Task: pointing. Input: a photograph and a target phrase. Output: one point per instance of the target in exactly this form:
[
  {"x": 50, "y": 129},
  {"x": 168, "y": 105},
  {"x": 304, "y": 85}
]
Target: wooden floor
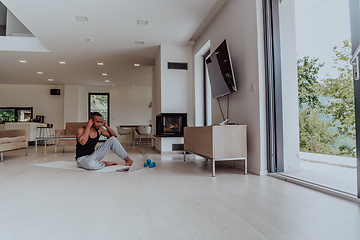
[{"x": 174, "y": 200}]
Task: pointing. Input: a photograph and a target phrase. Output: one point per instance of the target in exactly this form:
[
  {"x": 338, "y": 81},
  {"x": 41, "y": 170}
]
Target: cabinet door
[
  {"x": 230, "y": 141},
  {"x": 199, "y": 140},
  {"x": 204, "y": 141}
]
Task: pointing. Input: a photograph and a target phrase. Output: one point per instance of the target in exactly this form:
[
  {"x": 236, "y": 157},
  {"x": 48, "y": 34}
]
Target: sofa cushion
[
  {"x": 72, "y": 127},
  {"x": 17, "y": 139},
  {"x": 12, "y": 139},
  {"x": 4, "y": 140},
  {"x": 12, "y": 146}
]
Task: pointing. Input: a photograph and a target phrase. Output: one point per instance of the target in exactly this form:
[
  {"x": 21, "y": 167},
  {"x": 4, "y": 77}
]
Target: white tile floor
[{"x": 174, "y": 200}]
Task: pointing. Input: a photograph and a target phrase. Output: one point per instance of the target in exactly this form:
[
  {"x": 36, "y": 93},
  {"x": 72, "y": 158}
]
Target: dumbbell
[{"x": 149, "y": 163}]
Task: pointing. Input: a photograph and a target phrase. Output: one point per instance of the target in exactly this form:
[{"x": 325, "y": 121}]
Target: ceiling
[{"x": 113, "y": 25}]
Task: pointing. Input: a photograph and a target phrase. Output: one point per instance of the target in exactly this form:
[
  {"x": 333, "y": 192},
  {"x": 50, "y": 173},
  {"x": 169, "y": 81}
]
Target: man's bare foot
[
  {"x": 109, "y": 163},
  {"x": 128, "y": 161}
]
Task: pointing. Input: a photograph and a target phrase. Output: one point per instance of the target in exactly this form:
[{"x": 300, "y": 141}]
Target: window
[
  {"x": 100, "y": 102},
  {"x": 16, "y": 114}
]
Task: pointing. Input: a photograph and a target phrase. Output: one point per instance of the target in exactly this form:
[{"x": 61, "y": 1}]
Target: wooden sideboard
[{"x": 217, "y": 143}]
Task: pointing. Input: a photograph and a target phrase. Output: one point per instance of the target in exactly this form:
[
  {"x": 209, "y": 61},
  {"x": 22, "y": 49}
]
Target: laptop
[{"x": 137, "y": 165}]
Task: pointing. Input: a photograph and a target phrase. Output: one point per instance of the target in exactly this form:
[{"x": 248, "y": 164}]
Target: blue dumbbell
[
  {"x": 147, "y": 162},
  {"x": 153, "y": 164}
]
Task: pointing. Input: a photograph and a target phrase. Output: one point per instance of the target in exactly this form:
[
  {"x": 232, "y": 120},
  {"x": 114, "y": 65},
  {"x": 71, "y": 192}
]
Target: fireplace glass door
[{"x": 171, "y": 125}]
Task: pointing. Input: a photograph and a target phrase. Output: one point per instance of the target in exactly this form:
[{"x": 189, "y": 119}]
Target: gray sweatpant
[{"x": 93, "y": 161}]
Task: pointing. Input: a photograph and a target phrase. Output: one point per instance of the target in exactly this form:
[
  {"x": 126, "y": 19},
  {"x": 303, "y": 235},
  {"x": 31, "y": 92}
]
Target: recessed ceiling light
[
  {"x": 62, "y": 62},
  {"x": 107, "y": 80},
  {"x": 100, "y": 64},
  {"x": 90, "y": 39},
  {"x": 133, "y": 85},
  {"x": 104, "y": 74},
  {"x": 139, "y": 42},
  {"x": 113, "y": 85},
  {"x": 22, "y": 61},
  {"x": 136, "y": 64},
  {"x": 142, "y": 22},
  {"x": 82, "y": 18},
  {"x": 50, "y": 79},
  {"x": 39, "y": 72}
]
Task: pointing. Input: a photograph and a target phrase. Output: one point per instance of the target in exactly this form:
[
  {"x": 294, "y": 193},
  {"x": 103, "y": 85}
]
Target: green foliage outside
[
  {"x": 99, "y": 103},
  {"x": 341, "y": 89},
  {"x": 315, "y": 136},
  {"x": 308, "y": 85},
  {"x": 325, "y": 124},
  {"x": 7, "y": 115}
]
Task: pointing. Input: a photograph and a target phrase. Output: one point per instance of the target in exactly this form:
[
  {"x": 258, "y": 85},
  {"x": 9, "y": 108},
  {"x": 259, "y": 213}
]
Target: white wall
[
  {"x": 38, "y": 97},
  {"x": 173, "y": 88},
  {"x": 240, "y": 23},
  {"x": 13, "y": 25},
  {"x": 175, "y": 91},
  {"x": 128, "y": 105},
  {"x": 71, "y": 103},
  {"x": 289, "y": 86}
]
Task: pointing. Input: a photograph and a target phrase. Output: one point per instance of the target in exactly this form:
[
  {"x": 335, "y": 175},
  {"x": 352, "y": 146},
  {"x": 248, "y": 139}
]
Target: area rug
[{"x": 72, "y": 166}]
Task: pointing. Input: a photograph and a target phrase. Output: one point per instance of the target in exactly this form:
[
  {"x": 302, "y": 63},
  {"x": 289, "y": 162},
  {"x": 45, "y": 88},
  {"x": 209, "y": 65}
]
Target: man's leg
[
  {"x": 112, "y": 144},
  {"x": 89, "y": 163}
]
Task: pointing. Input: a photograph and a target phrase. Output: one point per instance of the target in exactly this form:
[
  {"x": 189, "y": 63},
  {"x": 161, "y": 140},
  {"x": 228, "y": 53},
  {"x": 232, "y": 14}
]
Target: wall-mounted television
[{"x": 220, "y": 71}]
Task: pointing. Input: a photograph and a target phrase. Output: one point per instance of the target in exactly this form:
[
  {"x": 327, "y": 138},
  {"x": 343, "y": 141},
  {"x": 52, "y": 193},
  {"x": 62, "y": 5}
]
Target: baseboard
[
  {"x": 249, "y": 169},
  {"x": 171, "y": 152},
  {"x": 257, "y": 171}
]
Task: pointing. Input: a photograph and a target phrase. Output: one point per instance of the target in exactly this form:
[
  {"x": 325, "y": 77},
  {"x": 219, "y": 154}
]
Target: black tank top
[{"x": 88, "y": 148}]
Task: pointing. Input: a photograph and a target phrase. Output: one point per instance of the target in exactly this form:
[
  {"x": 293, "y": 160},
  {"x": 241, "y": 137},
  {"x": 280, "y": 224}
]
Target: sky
[{"x": 320, "y": 25}]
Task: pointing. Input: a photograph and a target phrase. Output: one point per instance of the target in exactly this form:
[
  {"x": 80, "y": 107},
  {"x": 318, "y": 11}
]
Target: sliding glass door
[
  {"x": 354, "y": 7},
  {"x": 308, "y": 47}
]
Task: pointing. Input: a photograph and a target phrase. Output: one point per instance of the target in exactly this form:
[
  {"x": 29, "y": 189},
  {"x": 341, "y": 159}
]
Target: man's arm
[
  {"x": 109, "y": 132},
  {"x": 83, "y": 134}
]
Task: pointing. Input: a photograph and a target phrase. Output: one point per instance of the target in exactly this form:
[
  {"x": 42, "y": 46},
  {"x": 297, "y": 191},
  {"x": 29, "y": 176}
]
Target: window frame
[
  {"x": 16, "y": 109},
  {"x": 108, "y": 104}
]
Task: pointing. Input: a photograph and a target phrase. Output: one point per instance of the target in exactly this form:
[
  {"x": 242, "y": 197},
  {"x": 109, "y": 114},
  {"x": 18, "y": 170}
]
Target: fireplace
[{"x": 170, "y": 124}]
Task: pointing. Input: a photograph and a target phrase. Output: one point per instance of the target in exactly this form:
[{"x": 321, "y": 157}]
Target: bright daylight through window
[{"x": 326, "y": 94}]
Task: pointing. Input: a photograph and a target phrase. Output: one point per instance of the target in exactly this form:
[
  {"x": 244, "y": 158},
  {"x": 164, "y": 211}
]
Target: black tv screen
[{"x": 220, "y": 71}]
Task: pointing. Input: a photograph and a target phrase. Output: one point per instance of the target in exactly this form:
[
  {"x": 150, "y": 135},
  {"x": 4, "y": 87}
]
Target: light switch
[{"x": 253, "y": 87}]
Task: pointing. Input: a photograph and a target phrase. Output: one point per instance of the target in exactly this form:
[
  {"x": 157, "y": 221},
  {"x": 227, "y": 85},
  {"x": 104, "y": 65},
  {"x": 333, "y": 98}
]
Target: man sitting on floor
[{"x": 87, "y": 137}]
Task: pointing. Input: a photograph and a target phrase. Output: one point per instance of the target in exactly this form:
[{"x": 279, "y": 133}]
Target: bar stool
[{"x": 47, "y": 131}]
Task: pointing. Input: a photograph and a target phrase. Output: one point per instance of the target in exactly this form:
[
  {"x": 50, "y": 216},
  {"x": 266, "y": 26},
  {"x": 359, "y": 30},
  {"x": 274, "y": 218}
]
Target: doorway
[
  {"x": 326, "y": 138},
  {"x": 100, "y": 102}
]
